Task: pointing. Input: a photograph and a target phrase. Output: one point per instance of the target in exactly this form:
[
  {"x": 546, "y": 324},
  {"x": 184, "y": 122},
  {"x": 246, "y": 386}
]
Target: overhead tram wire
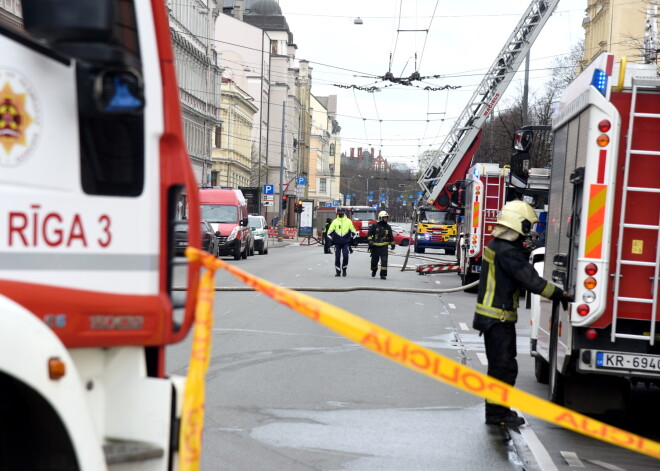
[{"x": 427, "y": 34}]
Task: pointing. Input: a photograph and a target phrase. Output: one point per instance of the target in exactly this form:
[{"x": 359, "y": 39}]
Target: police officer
[
  {"x": 504, "y": 271},
  {"x": 342, "y": 231},
  {"x": 325, "y": 237},
  {"x": 379, "y": 237}
]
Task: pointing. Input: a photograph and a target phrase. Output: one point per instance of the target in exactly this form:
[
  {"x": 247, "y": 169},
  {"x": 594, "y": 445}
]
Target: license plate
[
  {"x": 182, "y": 243},
  {"x": 627, "y": 361}
]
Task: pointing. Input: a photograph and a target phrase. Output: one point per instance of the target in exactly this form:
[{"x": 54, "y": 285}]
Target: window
[
  {"x": 218, "y": 136},
  {"x": 332, "y": 149},
  {"x": 323, "y": 185}
]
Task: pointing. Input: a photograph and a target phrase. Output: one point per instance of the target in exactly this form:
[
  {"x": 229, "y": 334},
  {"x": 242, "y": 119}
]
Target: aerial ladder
[{"x": 454, "y": 156}]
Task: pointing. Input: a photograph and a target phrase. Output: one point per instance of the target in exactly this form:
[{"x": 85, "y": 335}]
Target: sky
[{"x": 462, "y": 42}]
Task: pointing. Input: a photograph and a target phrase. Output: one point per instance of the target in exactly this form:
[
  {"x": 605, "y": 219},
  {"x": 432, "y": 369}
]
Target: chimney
[
  {"x": 373, "y": 155},
  {"x": 239, "y": 8},
  {"x": 360, "y": 153},
  {"x": 352, "y": 152}
]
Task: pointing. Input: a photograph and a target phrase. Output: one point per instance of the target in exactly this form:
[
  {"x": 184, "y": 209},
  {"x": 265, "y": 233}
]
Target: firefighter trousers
[
  {"x": 379, "y": 253},
  {"x": 500, "y": 342}
]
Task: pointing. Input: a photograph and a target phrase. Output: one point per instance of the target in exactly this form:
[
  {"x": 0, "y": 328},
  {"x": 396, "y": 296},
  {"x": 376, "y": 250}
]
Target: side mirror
[
  {"x": 265, "y": 227},
  {"x": 217, "y": 233},
  {"x": 522, "y": 140},
  {"x": 244, "y": 222}
]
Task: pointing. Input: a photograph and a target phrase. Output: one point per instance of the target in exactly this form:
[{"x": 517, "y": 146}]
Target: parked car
[
  {"x": 400, "y": 237},
  {"x": 210, "y": 242},
  {"x": 259, "y": 228}
]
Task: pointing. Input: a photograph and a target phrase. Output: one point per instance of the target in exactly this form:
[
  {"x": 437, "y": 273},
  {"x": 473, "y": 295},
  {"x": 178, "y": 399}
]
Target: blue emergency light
[
  {"x": 123, "y": 100},
  {"x": 599, "y": 81}
]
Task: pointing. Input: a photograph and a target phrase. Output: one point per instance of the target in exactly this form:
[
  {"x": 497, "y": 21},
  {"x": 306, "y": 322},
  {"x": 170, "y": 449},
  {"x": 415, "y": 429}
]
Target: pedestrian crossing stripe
[{"x": 426, "y": 361}]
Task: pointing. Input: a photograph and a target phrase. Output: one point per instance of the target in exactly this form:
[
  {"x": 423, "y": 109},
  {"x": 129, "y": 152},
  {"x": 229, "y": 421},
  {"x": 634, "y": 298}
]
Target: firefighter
[
  {"x": 380, "y": 236},
  {"x": 342, "y": 232},
  {"x": 504, "y": 271},
  {"x": 325, "y": 238}
]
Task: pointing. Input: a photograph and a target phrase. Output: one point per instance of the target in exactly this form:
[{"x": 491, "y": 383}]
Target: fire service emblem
[{"x": 20, "y": 121}]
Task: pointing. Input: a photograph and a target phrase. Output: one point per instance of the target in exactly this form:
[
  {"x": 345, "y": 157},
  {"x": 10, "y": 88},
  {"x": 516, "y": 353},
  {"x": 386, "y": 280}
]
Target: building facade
[
  {"x": 231, "y": 158},
  {"x": 619, "y": 28},
  {"x": 192, "y": 24}
]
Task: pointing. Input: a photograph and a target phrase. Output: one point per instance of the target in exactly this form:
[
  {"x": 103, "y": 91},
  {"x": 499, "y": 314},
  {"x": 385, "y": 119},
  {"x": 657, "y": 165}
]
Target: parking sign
[{"x": 269, "y": 189}]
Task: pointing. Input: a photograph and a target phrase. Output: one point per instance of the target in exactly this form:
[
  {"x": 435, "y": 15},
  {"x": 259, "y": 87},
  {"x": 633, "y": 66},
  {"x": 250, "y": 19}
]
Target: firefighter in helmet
[
  {"x": 504, "y": 271},
  {"x": 380, "y": 236}
]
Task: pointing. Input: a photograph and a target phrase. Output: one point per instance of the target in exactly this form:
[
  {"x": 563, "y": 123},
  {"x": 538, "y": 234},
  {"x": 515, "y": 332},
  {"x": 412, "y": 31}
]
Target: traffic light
[
  {"x": 284, "y": 200},
  {"x": 299, "y": 207}
]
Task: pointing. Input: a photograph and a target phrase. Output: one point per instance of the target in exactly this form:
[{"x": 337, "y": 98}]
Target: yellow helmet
[
  {"x": 383, "y": 214},
  {"x": 519, "y": 216}
]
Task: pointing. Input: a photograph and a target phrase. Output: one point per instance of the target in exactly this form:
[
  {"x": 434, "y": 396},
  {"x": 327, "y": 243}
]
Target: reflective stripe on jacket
[
  {"x": 380, "y": 234},
  {"x": 341, "y": 230},
  {"x": 504, "y": 271}
]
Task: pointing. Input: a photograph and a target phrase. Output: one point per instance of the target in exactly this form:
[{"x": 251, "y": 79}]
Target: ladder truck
[
  {"x": 454, "y": 155},
  {"x": 93, "y": 174},
  {"x": 603, "y": 240}
]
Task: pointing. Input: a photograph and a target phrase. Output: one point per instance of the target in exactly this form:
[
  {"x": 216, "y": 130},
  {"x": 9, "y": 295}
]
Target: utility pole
[{"x": 280, "y": 223}]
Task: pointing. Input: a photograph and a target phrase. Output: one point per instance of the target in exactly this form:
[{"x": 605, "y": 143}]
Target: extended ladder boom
[{"x": 497, "y": 79}]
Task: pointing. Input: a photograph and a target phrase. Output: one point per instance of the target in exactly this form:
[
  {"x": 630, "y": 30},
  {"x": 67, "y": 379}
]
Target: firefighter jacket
[
  {"x": 380, "y": 234},
  {"x": 341, "y": 230},
  {"x": 504, "y": 271}
]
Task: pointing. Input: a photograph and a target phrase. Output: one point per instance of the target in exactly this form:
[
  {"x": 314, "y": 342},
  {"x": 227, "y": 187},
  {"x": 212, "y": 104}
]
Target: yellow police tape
[
  {"x": 192, "y": 416},
  {"x": 430, "y": 363}
]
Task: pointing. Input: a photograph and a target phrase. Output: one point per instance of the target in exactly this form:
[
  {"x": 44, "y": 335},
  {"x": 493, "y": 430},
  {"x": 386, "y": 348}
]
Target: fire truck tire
[
  {"x": 237, "y": 253},
  {"x": 541, "y": 370},
  {"x": 466, "y": 279},
  {"x": 450, "y": 252},
  {"x": 419, "y": 249},
  {"x": 555, "y": 378}
]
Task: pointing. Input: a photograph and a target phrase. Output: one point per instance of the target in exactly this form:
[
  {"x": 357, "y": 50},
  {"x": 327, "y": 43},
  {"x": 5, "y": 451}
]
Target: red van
[{"x": 227, "y": 212}]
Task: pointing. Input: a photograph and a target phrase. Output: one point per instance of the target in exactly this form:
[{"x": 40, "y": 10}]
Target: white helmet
[
  {"x": 519, "y": 216},
  {"x": 383, "y": 214}
]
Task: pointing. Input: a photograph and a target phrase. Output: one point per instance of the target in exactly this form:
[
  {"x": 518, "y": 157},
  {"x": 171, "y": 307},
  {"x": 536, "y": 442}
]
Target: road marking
[
  {"x": 538, "y": 450},
  {"x": 463, "y": 326},
  {"x": 609, "y": 466},
  {"x": 572, "y": 459},
  {"x": 451, "y": 306},
  {"x": 482, "y": 358}
]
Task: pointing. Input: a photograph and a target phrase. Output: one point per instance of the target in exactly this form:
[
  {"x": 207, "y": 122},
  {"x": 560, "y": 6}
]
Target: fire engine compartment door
[{"x": 53, "y": 231}]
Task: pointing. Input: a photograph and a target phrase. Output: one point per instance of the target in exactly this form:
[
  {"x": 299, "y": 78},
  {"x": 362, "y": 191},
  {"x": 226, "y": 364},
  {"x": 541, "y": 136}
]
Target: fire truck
[
  {"x": 603, "y": 239},
  {"x": 94, "y": 173},
  {"x": 435, "y": 228},
  {"x": 363, "y": 217},
  {"x": 484, "y": 194}
]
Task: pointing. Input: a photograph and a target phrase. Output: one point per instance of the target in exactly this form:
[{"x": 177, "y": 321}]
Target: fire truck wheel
[
  {"x": 237, "y": 253},
  {"x": 450, "y": 252},
  {"x": 419, "y": 249},
  {"x": 541, "y": 370}
]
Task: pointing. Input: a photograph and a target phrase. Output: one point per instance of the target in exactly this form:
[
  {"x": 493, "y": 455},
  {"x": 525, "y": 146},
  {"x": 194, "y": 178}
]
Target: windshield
[
  {"x": 255, "y": 222},
  {"x": 364, "y": 216},
  {"x": 220, "y": 213},
  {"x": 437, "y": 217}
]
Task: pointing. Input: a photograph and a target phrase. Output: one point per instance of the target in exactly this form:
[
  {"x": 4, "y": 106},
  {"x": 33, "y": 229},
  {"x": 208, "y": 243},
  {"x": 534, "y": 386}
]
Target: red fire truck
[
  {"x": 94, "y": 170},
  {"x": 484, "y": 193},
  {"x": 362, "y": 217},
  {"x": 603, "y": 239}
]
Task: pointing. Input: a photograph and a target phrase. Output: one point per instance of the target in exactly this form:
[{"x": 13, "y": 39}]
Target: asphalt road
[{"x": 285, "y": 393}]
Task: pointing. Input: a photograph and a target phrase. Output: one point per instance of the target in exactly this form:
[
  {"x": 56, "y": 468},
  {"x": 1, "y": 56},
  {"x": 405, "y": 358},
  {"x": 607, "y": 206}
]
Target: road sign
[
  {"x": 335, "y": 203},
  {"x": 267, "y": 203},
  {"x": 269, "y": 197},
  {"x": 301, "y": 180},
  {"x": 269, "y": 189},
  {"x": 328, "y": 205}
]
